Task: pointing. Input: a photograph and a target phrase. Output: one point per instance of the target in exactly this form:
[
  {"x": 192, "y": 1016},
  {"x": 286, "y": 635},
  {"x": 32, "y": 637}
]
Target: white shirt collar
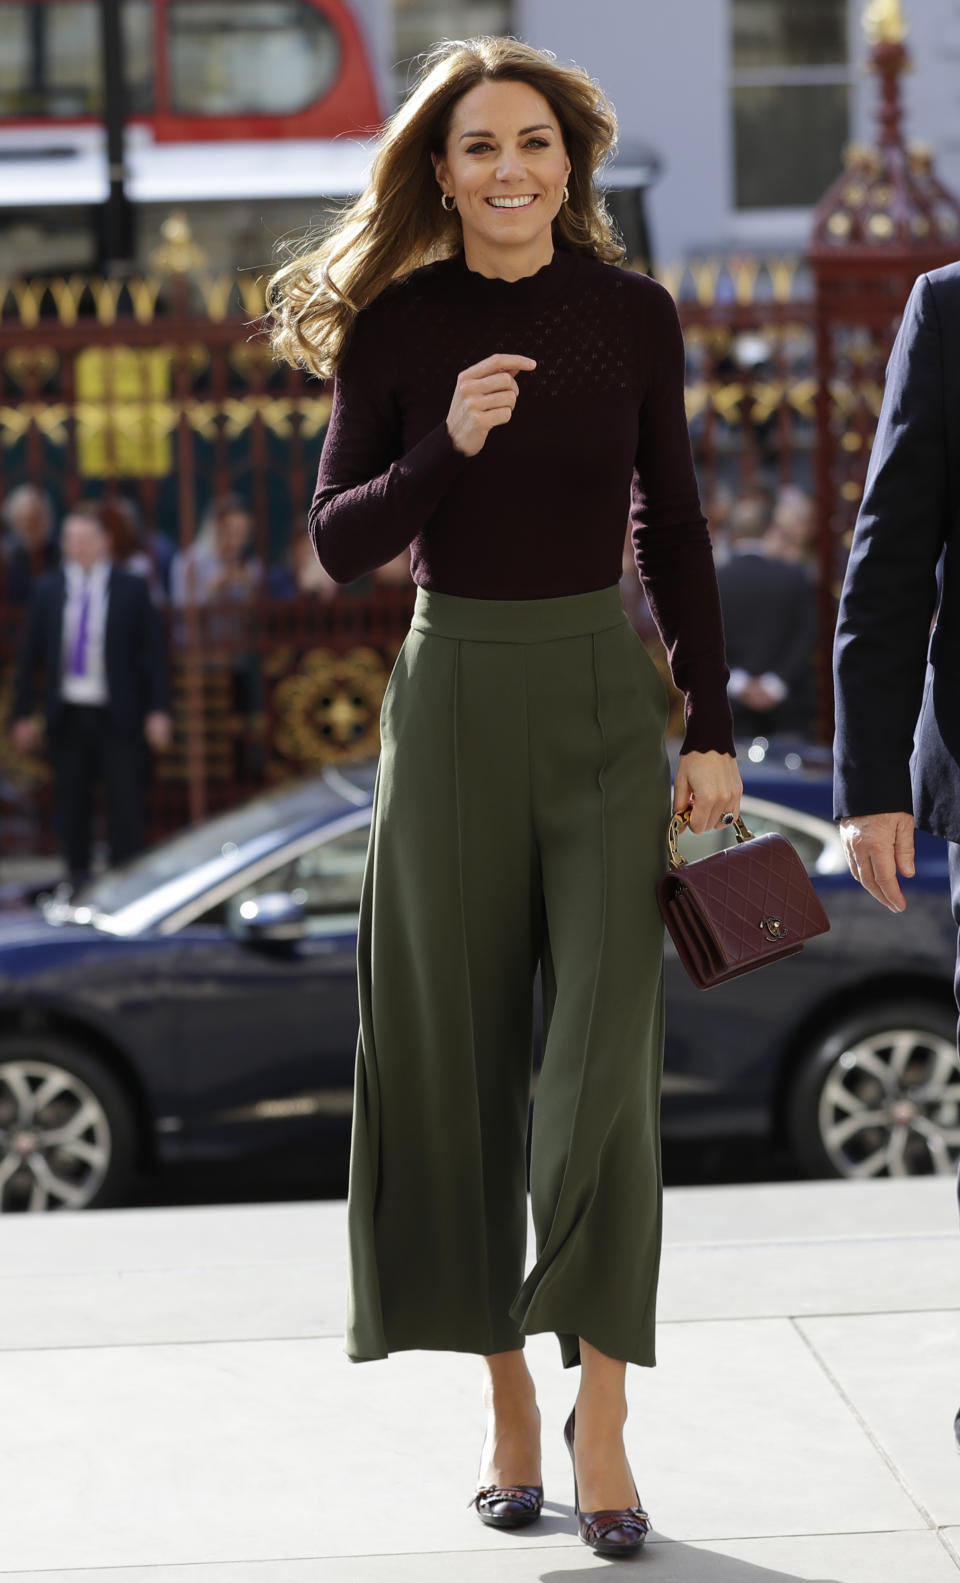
[{"x": 75, "y": 574}]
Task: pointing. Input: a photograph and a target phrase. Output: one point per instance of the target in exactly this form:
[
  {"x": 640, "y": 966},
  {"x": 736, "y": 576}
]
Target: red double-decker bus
[
  {"x": 225, "y": 100},
  {"x": 242, "y": 112},
  {"x": 196, "y": 70}
]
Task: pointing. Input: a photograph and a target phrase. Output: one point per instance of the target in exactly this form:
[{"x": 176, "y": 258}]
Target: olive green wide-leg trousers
[{"x": 520, "y": 816}]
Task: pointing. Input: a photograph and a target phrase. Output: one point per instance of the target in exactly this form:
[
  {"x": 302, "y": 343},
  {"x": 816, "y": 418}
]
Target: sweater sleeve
[
  {"x": 371, "y": 499},
  {"x": 670, "y": 539}
]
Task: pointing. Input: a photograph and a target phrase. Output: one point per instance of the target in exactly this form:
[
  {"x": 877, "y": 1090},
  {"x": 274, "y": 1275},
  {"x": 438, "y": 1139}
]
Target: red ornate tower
[{"x": 883, "y": 222}]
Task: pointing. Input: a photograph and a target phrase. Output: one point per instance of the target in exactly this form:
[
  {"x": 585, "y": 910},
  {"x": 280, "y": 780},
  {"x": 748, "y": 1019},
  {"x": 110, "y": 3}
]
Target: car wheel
[
  {"x": 879, "y": 1095},
  {"x": 68, "y": 1133}
]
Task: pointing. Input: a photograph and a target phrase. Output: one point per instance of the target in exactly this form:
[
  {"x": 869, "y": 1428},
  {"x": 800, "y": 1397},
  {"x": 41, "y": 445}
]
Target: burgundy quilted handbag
[{"x": 737, "y": 909}]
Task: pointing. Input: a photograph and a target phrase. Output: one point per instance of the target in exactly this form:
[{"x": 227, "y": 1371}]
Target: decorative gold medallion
[{"x": 329, "y": 709}]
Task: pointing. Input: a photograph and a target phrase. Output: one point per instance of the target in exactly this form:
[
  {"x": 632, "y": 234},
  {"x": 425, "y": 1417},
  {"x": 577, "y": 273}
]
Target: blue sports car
[{"x": 200, "y": 1003}]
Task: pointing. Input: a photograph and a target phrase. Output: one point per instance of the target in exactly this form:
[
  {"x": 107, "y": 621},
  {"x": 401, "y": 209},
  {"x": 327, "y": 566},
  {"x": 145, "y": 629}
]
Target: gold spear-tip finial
[{"x": 884, "y": 22}]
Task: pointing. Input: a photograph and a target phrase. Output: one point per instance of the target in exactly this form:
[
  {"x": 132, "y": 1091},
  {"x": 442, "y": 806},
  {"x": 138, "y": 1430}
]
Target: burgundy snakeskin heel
[
  {"x": 609, "y": 1532},
  {"x": 507, "y": 1505}
]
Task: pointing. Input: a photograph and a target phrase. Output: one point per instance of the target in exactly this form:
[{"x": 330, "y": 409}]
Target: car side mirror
[{"x": 268, "y": 919}]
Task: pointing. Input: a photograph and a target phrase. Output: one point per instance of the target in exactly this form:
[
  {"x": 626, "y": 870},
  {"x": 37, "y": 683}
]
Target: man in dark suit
[
  {"x": 769, "y": 624},
  {"x": 96, "y": 638},
  {"x": 897, "y": 748},
  {"x": 898, "y": 686}
]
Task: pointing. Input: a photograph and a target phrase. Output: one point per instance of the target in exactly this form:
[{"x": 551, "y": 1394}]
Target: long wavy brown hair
[{"x": 398, "y": 223}]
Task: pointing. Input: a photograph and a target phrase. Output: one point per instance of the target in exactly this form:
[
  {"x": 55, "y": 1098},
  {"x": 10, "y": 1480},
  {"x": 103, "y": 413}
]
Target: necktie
[{"x": 78, "y": 657}]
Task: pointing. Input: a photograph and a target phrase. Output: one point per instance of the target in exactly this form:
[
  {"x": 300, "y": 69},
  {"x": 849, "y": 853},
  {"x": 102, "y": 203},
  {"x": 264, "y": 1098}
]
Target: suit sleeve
[
  {"x": 890, "y": 589},
  {"x": 671, "y": 543},
  {"x": 372, "y": 499},
  {"x": 30, "y": 660}
]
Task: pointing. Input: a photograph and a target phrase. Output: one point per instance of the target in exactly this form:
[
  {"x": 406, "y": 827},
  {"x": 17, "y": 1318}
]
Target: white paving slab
[
  {"x": 822, "y": 1558},
  {"x": 901, "y": 1372},
  {"x": 166, "y": 1239},
  {"x": 174, "y": 1454},
  {"x": 123, "y": 1277},
  {"x": 184, "y": 1412},
  {"x": 844, "y": 1275},
  {"x": 256, "y": 1450},
  {"x": 129, "y": 1307},
  {"x": 303, "y": 1294},
  {"x": 780, "y": 1212},
  {"x": 734, "y": 1409}
]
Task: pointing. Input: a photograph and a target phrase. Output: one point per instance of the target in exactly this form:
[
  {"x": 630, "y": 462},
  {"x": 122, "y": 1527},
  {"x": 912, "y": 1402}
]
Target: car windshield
[{"x": 214, "y": 849}]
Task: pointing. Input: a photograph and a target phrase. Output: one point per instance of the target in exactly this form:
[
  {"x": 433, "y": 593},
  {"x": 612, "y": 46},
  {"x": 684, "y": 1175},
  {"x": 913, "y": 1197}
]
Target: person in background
[
  {"x": 123, "y": 526},
  {"x": 29, "y": 548},
  {"x": 792, "y": 532},
  {"x": 395, "y": 573},
  {"x": 97, "y": 641},
  {"x": 717, "y": 512},
  {"x": 748, "y": 518},
  {"x": 301, "y": 574},
  {"x": 769, "y": 622},
  {"x": 222, "y": 574},
  {"x": 221, "y": 564}
]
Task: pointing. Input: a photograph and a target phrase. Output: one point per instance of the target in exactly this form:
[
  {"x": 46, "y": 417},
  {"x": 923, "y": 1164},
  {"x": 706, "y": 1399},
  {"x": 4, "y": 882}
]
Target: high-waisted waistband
[{"x": 517, "y": 620}]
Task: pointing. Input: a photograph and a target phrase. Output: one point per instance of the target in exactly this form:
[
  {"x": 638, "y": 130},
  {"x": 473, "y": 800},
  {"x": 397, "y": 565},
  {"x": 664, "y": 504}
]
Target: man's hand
[
  {"x": 877, "y": 846},
  {"x": 26, "y": 735},
  {"x": 158, "y": 730}
]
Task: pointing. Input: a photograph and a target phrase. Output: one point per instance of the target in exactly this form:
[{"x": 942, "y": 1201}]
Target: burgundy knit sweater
[{"x": 598, "y": 437}]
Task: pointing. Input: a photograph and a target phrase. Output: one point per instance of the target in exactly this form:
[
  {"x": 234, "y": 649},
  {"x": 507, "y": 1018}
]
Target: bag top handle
[{"x": 679, "y": 823}]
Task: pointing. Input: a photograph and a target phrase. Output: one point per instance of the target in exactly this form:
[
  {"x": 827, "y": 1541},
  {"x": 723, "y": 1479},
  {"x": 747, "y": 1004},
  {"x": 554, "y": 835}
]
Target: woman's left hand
[{"x": 711, "y": 783}]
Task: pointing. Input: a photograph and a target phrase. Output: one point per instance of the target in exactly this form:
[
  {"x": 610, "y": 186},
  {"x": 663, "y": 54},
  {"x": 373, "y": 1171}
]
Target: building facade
[{"x": 749, "y": 103}]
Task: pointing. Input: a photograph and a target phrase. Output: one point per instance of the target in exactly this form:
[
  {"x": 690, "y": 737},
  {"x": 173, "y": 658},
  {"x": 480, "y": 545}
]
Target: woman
[
  {"x": 222, "y": 574},
  {"x": 221, "y": 564},
  {"x": 499, "y": 384}
]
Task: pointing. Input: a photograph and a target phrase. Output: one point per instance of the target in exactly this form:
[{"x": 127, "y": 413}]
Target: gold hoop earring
[
  {"x": 445, "y": 205},
  {"x": 566, "y": 195}
]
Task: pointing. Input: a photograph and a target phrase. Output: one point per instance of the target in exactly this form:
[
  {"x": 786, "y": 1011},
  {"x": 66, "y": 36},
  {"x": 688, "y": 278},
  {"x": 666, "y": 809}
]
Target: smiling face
[{"x": 506, "y": 166}]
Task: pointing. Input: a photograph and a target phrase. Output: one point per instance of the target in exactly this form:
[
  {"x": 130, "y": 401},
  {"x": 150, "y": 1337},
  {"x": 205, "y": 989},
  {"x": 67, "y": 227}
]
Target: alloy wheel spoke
[
  {"x": 897, "y": 1151},
  {"x": 837, "y": 1094},
  {"x": 9, "y": 1166},
  {"x": 869, "y": 1061},
  {"x": 902, "y": 1051},
  {"x": 943, "y": 1082},
  {"x": 15, "y": 1079},
  {"x": 54, "y": 1083},
  {"x": 942, "y": 1142},
  {"x": 53, "y": 1186},
  {"x": 843, "y": 1131},
  {"x": 873, "y": 1165},
  {"x": 88, "y": 1116},
  {"x": 92, "y": 1153}
]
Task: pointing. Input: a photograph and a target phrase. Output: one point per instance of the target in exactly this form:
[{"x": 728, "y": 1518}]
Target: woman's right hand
[{"x": 485, "y": 396}]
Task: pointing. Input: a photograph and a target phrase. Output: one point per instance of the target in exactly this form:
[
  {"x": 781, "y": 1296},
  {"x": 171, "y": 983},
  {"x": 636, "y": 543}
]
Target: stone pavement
[{"x": 176, "y": 1407}]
